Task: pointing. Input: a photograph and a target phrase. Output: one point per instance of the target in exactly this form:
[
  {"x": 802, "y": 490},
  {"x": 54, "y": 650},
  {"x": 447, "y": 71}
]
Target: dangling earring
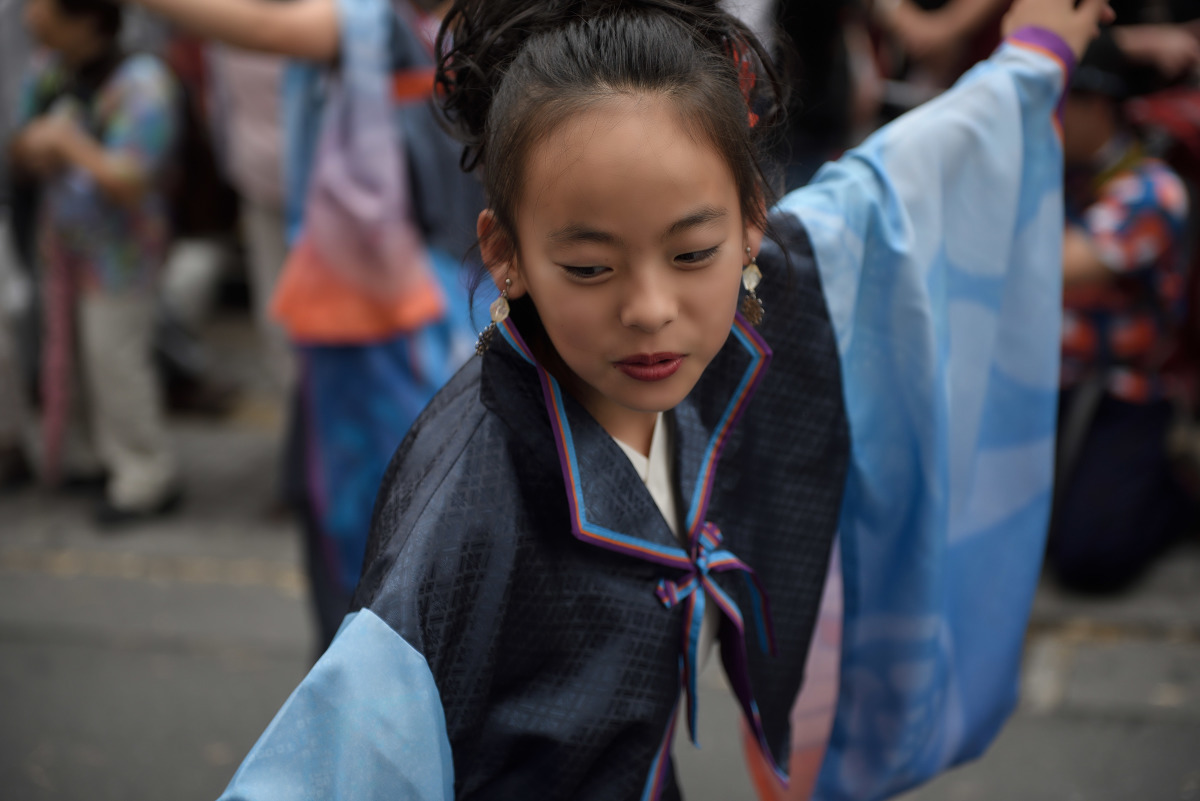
[
  {"x": 751, "y": 307},
  {"x": 499, "y": 315}
]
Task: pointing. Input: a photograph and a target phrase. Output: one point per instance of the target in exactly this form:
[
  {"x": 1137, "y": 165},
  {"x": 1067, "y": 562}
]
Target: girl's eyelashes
[
  {"x": 696, "y": 258},
  {"x": 583, "y": 273}
]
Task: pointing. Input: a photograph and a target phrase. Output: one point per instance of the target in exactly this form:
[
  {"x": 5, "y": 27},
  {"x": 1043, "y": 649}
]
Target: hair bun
[{"x": 479, "y": 40}]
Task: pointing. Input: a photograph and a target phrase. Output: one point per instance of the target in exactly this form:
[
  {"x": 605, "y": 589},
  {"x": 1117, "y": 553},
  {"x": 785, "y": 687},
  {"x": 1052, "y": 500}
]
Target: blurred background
[{"x": 167, "y": 572}]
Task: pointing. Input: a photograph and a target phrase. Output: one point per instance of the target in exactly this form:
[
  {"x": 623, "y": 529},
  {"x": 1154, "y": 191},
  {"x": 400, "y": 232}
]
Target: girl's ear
[
  {"x": 754, "y": 238},
  {"x": 499, "y": 253}
]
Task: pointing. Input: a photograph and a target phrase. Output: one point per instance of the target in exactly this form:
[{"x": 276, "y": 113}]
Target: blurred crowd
[{"x": 156, "y": 151}]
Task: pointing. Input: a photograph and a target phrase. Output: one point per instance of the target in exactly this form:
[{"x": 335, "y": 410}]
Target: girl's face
[{"x": 631, "y": 244}]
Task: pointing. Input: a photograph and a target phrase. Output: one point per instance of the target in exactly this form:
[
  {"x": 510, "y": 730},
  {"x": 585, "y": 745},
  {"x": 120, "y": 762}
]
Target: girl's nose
[{"x": 649, "y": 303}]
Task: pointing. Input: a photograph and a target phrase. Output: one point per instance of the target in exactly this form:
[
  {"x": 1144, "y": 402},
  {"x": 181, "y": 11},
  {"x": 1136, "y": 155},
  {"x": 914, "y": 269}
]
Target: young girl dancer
[{"x": 633, "y": 474}]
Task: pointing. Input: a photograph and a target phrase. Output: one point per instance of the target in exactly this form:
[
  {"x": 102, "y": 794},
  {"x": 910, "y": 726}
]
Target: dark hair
[
  {"x": 106, "y": 15},
  {"x": 513, "y": 70}
]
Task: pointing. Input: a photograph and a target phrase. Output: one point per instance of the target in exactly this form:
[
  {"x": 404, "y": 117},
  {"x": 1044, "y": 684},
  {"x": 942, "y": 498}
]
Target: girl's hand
[{"x": 1078, "y": 26}]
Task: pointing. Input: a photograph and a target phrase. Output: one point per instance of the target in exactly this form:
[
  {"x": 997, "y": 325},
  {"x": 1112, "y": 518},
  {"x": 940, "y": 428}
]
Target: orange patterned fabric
[{"x": 316, "y": 305}]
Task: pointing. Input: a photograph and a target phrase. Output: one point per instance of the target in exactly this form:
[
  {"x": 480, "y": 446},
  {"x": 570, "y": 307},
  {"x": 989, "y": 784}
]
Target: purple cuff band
[
  {"x": 1051, "y": 42},
  {"x": 1048, "y": 40}
]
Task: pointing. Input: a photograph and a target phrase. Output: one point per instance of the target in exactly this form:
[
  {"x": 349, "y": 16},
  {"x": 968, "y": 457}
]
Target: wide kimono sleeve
[
  {"x": 366, "y": 723},
  {"x": 939, "y": 246}
]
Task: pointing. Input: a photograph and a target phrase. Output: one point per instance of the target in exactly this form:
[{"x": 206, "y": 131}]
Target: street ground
[{"x": 144, "y": 665}]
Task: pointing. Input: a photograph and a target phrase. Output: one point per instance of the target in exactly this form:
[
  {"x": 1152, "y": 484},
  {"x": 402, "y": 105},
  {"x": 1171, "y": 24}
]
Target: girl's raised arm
[
  {"x": 305, "y": 29},
  {"x": 939, "y": 246}
]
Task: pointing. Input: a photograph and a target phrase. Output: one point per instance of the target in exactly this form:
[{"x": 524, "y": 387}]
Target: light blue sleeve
[
  {"x": 365, "y": 724},
  {"x": 939, "y": 245}
]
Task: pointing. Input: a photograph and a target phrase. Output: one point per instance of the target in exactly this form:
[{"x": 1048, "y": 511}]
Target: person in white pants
[{"x": 98, "y": 130}]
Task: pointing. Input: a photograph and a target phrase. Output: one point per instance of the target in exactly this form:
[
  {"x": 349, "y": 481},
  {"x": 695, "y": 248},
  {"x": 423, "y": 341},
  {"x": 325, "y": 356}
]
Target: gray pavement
[{"x": 144, "y": 665}]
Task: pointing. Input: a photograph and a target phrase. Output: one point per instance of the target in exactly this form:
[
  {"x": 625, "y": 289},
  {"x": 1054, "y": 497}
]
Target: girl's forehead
[
  {"x": 623, "y": 127},
  {"x": 628, "y": 159}
]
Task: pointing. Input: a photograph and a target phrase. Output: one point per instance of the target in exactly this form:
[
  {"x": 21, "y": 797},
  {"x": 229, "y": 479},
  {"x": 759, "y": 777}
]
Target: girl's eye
[
  {"x": 584, "y": 272},
  {"x": 696, "y": 257}
]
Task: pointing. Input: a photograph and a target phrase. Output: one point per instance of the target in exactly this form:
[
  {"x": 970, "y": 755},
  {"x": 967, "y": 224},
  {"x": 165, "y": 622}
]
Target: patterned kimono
[{"x": 527, "y": 625}]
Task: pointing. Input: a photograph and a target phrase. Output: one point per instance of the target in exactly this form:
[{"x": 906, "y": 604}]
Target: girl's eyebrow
[
  {"x": 700, "y": 217},
  {"x": 573, "y": 233}
]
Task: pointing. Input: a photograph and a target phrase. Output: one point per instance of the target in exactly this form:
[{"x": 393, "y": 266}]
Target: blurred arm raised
[{"x": 307, "y": 29}]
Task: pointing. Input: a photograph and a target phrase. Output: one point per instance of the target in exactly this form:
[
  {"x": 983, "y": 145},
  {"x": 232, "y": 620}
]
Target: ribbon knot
[{"x": 707, "y": 557}]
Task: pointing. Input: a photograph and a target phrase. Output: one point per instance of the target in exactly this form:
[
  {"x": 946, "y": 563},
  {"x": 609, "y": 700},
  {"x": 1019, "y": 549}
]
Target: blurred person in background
[
  {"x": 375, "y": 338},
  {"x": 194, "y": 267},
  {"x": 1119, "y": 504},
  {"x": 370, "y": 357},
  {"x": 96, "y": 133}
]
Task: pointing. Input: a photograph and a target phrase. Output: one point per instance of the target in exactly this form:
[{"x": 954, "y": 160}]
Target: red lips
[{"x": 650, "y": 366}]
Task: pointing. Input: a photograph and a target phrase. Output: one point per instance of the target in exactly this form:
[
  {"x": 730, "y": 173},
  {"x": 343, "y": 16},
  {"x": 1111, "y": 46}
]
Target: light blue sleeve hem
[{"x": 366, "y": 723}]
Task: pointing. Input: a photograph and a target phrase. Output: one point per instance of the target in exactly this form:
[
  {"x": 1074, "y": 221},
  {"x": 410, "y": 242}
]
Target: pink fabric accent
[
  {"x": 248, "y": 110},
  {"x": 812, "y": 715},
  {"x": 358, "y": 217},
  {"x": 57, "y": 358}
]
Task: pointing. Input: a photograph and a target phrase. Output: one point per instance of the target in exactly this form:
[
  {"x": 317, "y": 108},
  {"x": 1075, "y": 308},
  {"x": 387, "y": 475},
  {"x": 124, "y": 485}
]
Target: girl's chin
[
  {"x": 620, "y": 393},
  {"x": 654, "y": 398}
]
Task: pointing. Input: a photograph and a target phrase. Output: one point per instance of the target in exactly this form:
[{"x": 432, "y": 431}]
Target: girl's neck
[
  {"x": 637, "y": 433},
  {"x": 634, "y": 428}
]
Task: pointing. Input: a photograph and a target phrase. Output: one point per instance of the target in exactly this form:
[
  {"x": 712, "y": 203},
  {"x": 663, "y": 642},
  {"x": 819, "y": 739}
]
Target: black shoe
[
  {"x": 208, "y": 398},
  {"x": 76, "y": 483},
  {"x": 15, "y": 470},
  {"x": 111, "y": 517}
]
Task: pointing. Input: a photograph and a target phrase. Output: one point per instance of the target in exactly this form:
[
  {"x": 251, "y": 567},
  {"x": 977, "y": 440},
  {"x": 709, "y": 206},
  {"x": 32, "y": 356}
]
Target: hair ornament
[{"x": 747, "y": 78}]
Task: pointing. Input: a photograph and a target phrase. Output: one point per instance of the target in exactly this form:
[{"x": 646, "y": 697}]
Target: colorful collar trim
[
  {"x": 589, "y": 531},
  {"x": 704, "y": 555}
]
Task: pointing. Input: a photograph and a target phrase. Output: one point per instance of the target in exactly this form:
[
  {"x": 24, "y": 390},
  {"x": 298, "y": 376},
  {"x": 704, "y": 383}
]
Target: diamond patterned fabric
[{"x": 557, "y": 666}]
